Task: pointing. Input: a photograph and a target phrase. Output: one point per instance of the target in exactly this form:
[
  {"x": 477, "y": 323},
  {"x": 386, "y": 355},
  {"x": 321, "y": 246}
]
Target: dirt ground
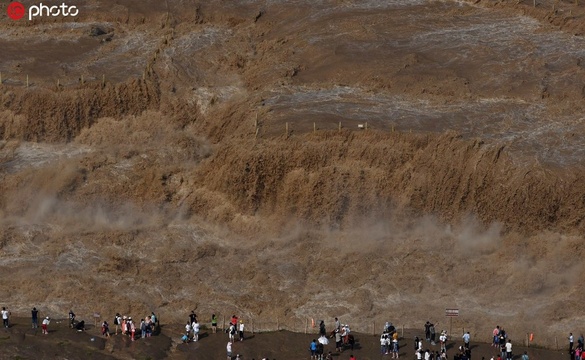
[
  {"x": 294, "y": 160},
  {"x": 19, "y": 341}
]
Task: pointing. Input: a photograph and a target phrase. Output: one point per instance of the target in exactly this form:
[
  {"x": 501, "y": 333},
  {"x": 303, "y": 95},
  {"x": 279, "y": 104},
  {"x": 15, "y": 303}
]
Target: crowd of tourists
[
  {"x": 127, "y": 326},
  {"x": 389, "y": 338},
  {"x": 577, "y": 352},
  {"x": 124, "y": 325}
]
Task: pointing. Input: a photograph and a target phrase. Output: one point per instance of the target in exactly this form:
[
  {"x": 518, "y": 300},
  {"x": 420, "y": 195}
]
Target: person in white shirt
[
  {"x": 466, "y": 338},
  {"x": 241, "y": 330},
  {"x": 427, "y": 355},
  {"x": 228, "y": 347},
  {"x": 418, "y": 355},
  {"x": 45, "y": 324},
  {"x": 383, "y": 344},
  {"x": 188, "y": 329},
  {"x": 443, "y": 341},
  {"x": 5, "y": 314},
  {"x": 338, "y": 341},
  {"x": 118, "y": 322},
  {"x": 232, "y": 332},
  {"x": 509, "y": 350},
  {"x": 195, "y": 327},
  {"x": 344, "y": 333}
]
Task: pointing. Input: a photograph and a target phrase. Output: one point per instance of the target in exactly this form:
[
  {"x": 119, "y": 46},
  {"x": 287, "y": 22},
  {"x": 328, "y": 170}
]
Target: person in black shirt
[
  {"x": 71, "y": 318},
  {"x": 322, "y": 330},
  {"x": 35, "y": 318},
  {"x": 428, "y": 331}
]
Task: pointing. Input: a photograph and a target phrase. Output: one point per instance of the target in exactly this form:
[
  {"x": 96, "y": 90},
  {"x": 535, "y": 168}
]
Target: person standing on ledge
[
  {"x": 118, "y": 322},
  {"x": 496, "y": 335},
  {"x": 428, "y": 331},
  {"x": 433, "y": 334},
  {"x": 232, "y": 332},
  {"x": 322, "y": 330},
  {"x": 188, "y": 330},
  {"x": 105, "y": 329},
  {"x": 228, "y": 347},
  {"x": 241, "y": 333},
  {"x": 443, "y": 341},
  {"x": 195, "y": 328},
  {"x": 35, "y": 318},
  {"x": 45, "y": 325},
  {"x": 213, "y": 323},
  {"x": 5, "y": 315},
  {"x": 509, "y": 350},
  {"x": 71, "y": 318},
  {"x": 313, "y": 349},
  {"x": 571, "y": 342},
  {"x": 466, "y": 338},
  {"x": 155, "y": 323},
  {"x": 338, "y": 341}
]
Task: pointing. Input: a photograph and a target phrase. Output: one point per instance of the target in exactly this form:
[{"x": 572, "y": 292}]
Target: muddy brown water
[
  {"x": 404, "y": 65},
  {"x": 124, "y": 210}
]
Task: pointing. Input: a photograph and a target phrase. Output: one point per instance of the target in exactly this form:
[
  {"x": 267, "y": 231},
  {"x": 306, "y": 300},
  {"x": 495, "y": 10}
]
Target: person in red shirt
[{"x": 351, "y": 357}]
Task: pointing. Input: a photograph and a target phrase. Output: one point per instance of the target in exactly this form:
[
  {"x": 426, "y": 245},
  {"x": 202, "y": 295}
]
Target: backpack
[
  {"x": 232, "y": 330},
  {"x": 116, "y": 322}
]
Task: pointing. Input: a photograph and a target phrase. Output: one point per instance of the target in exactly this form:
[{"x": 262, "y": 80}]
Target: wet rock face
[{"x": 97, "y": 31}]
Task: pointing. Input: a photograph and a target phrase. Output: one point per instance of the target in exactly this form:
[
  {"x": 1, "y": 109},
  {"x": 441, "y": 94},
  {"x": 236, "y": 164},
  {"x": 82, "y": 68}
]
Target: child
[
  {"x": 105, "y": 329},
  {"x": 45, "y": 324}
]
